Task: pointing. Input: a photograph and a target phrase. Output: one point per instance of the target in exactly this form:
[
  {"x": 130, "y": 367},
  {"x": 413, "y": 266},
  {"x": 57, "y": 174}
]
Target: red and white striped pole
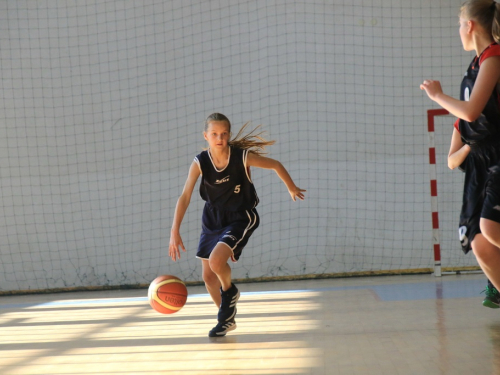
[{"x": 431, "y": 113}]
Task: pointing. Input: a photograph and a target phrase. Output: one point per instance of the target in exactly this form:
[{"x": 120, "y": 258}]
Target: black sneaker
[
  {"x": 492, "y": 299},
  {"x": 222, "y": 328},
  {"x": 227, "y": 309}
]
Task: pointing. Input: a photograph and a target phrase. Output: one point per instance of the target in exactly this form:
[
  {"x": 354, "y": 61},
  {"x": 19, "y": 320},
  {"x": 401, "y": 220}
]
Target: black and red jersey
[{"x": 487, "y": 125}]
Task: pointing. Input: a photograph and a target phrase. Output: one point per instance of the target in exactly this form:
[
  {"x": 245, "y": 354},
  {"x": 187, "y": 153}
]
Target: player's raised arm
[
  {"x": 254, "y": 160},
  {"x": 180, "y": 210},
  {"x": 468, "y": 110}
]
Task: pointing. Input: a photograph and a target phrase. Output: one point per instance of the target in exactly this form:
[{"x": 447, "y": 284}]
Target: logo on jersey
[
  {"x": 222, "y": 180},
  {"x": 497, "y": 207},
  {"x": 467, "y": 94}
]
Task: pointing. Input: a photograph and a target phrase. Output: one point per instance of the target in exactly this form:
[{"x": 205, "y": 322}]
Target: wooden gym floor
[{"x": 381, "y": 325}]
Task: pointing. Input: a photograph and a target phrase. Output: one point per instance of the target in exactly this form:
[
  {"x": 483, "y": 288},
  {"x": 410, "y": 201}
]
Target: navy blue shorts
[{"x": 231, "y": 228}]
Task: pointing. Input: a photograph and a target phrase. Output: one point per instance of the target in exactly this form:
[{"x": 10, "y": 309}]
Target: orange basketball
[{"x": 167, "y": 294}]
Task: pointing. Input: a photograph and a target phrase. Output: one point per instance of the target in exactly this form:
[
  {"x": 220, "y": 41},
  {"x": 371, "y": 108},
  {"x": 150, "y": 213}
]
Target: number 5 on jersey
[{"x": 237, "y": 189}]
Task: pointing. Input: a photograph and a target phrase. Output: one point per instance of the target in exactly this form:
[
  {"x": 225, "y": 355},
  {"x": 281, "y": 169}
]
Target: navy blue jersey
[{"x": 230, "y": 188}]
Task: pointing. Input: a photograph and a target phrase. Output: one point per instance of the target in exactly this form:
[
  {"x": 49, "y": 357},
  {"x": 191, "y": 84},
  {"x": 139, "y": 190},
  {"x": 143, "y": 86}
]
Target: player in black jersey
[
  {"x": 476, "y": 138},
  {"x": 229, "y": 216}
]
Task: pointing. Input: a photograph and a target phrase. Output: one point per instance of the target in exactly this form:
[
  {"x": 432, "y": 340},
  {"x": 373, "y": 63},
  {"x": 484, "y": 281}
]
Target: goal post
[{"x": 431, "y": 114}]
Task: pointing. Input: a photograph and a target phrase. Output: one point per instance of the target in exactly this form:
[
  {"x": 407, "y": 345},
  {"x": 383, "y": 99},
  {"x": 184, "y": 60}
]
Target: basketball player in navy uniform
[
  {"x": 475, "y": 142},
  {"x": 229, "y": 216}
]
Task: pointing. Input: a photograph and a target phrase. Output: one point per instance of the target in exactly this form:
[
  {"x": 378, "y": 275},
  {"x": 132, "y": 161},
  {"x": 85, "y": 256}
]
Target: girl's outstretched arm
[
  {"x": 254, "y": 160},
  {"x": 180, "y": 210},
  {"x": 458, "y": 150},
  {"x": 488, "y": 77}
]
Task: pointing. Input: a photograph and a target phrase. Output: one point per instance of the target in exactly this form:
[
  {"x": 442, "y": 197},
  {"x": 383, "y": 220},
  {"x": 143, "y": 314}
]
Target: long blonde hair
[
  {"x": 252, "y": 141},
  {"x": 484, "y": 12}
]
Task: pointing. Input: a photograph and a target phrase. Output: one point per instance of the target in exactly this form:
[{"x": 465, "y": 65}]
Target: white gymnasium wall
[{"x": 103, "y": 105}]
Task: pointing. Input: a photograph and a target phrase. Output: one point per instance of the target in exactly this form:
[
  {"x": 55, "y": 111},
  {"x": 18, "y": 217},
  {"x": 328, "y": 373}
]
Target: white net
[{"x": 103, "y": 105}]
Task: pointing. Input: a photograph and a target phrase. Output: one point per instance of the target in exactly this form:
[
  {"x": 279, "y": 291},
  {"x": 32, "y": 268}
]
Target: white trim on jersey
[
  {"x": 228, "y": 160},
  {"x": 245, "y": 155},
  {"x": 199, "y": 166},
  {"x": 247, "y": 170}
]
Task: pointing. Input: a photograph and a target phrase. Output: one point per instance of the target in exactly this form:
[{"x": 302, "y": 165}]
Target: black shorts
[
  {"x": 491, "y": 205},
  {"x": 481, "y": 199},
  {"x": 230, "y": 228}
]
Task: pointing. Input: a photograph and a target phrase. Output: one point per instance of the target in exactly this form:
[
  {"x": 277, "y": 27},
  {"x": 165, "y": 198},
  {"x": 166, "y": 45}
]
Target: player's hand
[
  {"x": 175, "y": 245},
  {"x": 432, "y": 88},
  {"x": 296, "y": 192}
]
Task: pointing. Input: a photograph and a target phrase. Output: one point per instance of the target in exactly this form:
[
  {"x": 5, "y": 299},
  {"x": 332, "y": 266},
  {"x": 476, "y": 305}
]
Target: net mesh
[{"x": 103, "y": 105}]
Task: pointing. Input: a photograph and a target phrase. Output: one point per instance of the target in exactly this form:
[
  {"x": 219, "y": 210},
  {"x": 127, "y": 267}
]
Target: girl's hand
[
  {"x": 175, "y": 245},
  {"x": 296, "y": 192},
  {"x": 432, "y": 88}
]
